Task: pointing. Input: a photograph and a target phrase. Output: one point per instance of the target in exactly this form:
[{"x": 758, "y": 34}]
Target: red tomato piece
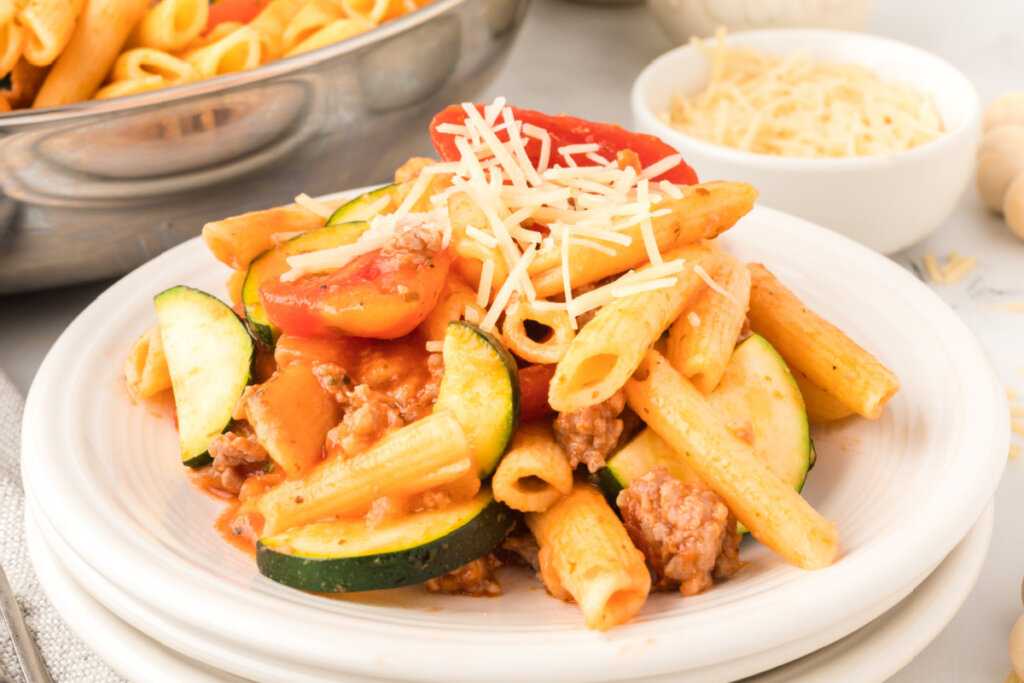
[
  {"x": 242, "y": 11},
  {"x": 373, "y": 296},
  {"x": 569, "y": 130},
  {"x": 533, "y": 388}
]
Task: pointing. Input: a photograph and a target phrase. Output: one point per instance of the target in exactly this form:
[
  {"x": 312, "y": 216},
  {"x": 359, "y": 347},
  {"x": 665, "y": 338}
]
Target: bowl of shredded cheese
[{"x": 870, "y": 137}]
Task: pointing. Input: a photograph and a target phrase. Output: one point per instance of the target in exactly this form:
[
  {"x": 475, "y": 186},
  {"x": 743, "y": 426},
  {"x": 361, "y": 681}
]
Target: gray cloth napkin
[{"x": 67, "y": 658}]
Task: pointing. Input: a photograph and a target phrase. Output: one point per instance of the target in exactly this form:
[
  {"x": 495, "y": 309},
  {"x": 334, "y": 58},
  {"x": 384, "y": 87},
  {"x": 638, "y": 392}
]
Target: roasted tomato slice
[
  {"x": 384, "y": 294},
  {"x": 242, "y": 11},
  {"x": 569, "y": 130}
]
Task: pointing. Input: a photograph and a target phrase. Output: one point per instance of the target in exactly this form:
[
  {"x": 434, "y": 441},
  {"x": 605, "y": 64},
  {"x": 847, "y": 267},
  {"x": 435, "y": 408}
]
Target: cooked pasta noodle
[{"x": 171, "y": 24}]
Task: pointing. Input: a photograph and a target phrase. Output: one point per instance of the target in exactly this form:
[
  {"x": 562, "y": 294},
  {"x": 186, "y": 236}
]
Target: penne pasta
[
  {"x": 703, "y": 212},
  {"x": 171, "y": 24},
  {"x": 551, "y": 348},
  {"x": 586, "y": 555},
  {"x": 313, "y": 16},
  {"x": 48, "y": 27},
  {"x": 818, "y": 348},
  {"x": 535, "y": 472},
  {"x": 237, "y": 51},
  {"x": 12, "y": 38},
  {"x": 421, "y": 456},
  {"x": 270, "y": 24},
  {"x": 701, "y": 341},
  {"x": 774, "y": 513},
  {"x": 452, "y": 304},
  {"x": 611, "y": 346},
  {"x": 236, "y": 241},
  {"x": 26, "y": 79},
  {"x": 141, "y": 62},
  {"x": 98, "y": 37},
  {"x": 821, "y": 405},
  {"x": 131, "y": 86},
  {"x": 145, "y": 369},
  {"x": 337, "y": 30}
]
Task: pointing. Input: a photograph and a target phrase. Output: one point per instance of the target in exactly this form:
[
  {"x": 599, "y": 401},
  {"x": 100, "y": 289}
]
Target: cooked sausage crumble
[{"x": 685, "y": 531}]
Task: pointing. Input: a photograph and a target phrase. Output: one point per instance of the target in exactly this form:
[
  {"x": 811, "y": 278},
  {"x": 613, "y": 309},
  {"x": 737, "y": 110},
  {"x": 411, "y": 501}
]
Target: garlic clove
[
  {"x": 1007, "y": 108},
  {"x": 1013, "y": 210},
  {"x": 1017, "y": 647},
  {"x": 996, "y": 170},
  {"x": 1005, "y": 135}
]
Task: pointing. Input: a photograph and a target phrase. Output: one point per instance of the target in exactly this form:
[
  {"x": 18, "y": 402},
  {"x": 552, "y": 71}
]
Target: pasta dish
[
  {"x": 57, "y": 52},
  {"x": 531, "y": 352}
]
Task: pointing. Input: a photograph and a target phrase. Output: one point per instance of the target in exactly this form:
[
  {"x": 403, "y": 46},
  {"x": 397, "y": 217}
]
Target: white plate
[
  {"x": 872, "y": 653},
  {"x": 901, "y": 491}
]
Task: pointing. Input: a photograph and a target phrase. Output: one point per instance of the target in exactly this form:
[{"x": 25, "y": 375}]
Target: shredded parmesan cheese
[
  {"x": 709, "y": 281},
  {"x": 319, "y": 208},
  {"x": 693, "y": 318},
  {"x": 1011, "y": 306},
  {"x": 955, "y": 269},
  {"x": 436, "y": 346},
  {"x": 483, "y": 294},
  {"x": 517, "y": 272},
  {"x": 796, "y": 107}
]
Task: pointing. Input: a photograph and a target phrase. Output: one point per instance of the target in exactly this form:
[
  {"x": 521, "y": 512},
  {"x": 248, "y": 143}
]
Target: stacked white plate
[{"x": 116, "y": 528}]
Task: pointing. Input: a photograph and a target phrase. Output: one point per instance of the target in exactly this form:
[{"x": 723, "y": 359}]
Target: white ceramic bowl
[
  {"x": 681, "y": 19},
  {"x": 885, "y": 202}
]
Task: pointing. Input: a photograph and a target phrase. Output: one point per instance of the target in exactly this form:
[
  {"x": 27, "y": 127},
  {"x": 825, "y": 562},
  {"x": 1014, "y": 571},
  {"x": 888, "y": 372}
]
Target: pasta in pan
[
  {"x": 358, "y": 408},
  {"x": 83, "y": 46}
]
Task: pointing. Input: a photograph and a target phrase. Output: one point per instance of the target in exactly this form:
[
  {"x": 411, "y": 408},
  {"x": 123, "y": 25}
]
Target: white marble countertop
[{"x": 582, "y": 59}]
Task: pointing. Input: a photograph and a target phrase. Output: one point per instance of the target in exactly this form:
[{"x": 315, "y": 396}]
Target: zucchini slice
[
  {"x": 272, "y": 263},
  {"x": 481, "y": 387},
  {"x": 347, "y": 555},
  {"x": 367, "y": 205},
  {"x": 756, "y": 386},
  {"x": 209, "y": 356}
]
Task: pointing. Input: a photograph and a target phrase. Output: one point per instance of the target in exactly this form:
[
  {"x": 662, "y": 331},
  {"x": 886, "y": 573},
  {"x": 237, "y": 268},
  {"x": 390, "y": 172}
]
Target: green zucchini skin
[
  {"x": 481, "y": 387},
  {"x": 209, "y": 355},
  {"x": 420, "y": 559},
  {"x": 272, "y": 263},
  {"x": 358, "y": 209}
]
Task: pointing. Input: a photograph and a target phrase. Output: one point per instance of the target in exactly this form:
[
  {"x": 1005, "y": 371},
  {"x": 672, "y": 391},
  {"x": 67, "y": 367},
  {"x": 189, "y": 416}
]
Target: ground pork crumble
[
  {"x": 589, "y": 434},
  {"x": 685, "y": 531}
]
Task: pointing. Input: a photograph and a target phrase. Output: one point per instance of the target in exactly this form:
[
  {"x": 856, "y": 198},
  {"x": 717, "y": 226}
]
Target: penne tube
[
  {"x": 370, "y": 10},
  {"x": 142, "y": 62},
  {"x": 818, "y": 348},
  {"x": 216, "y": 33},
  {"x": 551, "y": 348},
  {"x": 313, "y": 16},
  {"x": 586, "y": 554},
  {"x": 171, "y": 25},
  {"x": 270, "y": 24},
  {"x": 101, "y": 31},
  {"x": 821, "y": 405},
  {"x": 26, "y": 79},
  {"x": 236, "y": 241},
  {"x": 701, "y": 341},
  {"x": 774, "y": 513},
  {"x": 455, "y": 299},
  {"x": 145, "y": 368},
  {"x": 426, "y": 454},
  {"x": 237, "y": 51},
  {"x": 132, "y": 86},
  {"x": 704, "y": 211},
  {"x": 334, "y": 32},
  {"x": 12, "y": 38},
  {"x": 48, "y": 27},
  {"x": 535, "y": 473},
  {"x": 612, "y": 345}
]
